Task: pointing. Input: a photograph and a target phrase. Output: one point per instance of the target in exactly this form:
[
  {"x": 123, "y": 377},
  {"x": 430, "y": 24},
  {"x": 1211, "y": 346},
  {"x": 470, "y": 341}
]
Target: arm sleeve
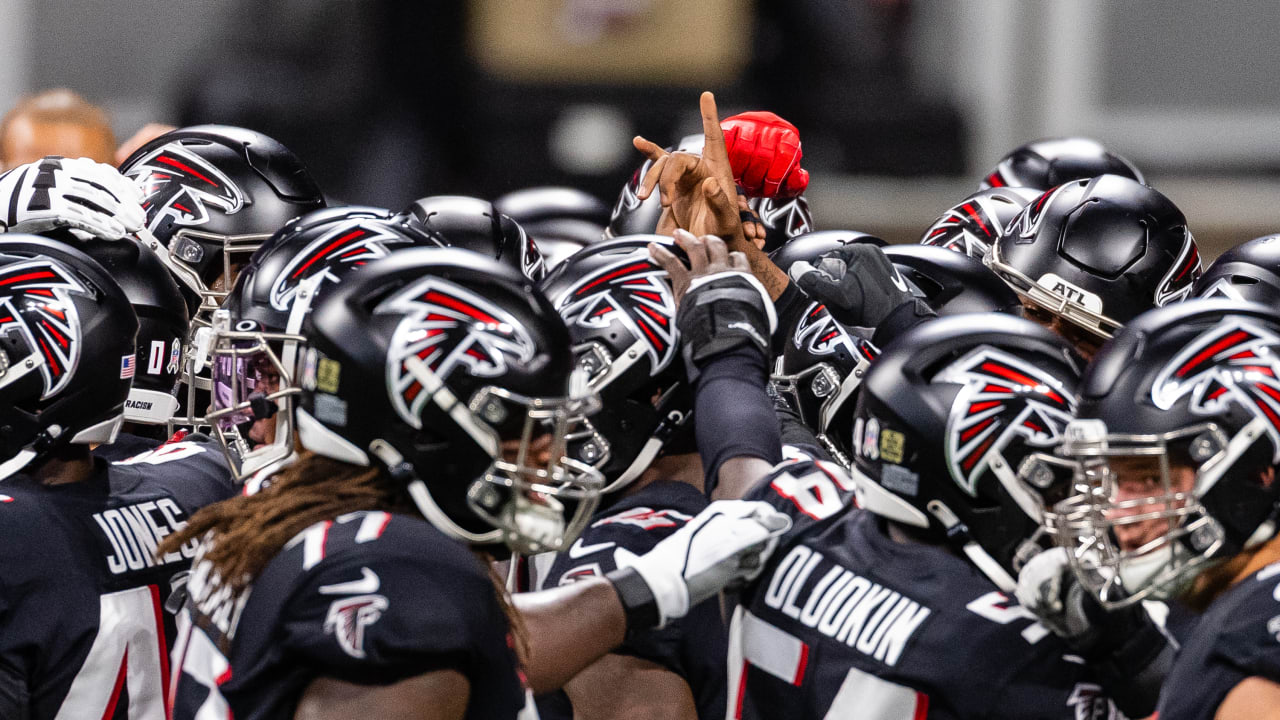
[{"x": 733, "y": 415}]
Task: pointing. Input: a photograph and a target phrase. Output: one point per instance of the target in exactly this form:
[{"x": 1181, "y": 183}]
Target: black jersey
[
  {"x": 84, "y": 632},
  {"x": 127, "y": 445},
  {"x": 369, "y": 598},
  {"x": 845, "y": 622},
  {"x": 692, "y": 647},
  {"x": 1237, "y": 638}
]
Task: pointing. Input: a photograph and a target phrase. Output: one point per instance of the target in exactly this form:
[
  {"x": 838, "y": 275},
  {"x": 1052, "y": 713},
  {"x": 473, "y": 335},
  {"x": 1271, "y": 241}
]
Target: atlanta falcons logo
[
  {"x": 1235, "y": 362},
  {"x": 791, "y": 216},
  {"x": 633, "y": 292},
  {"x": 1176, "y": 284},
  {"x": 178, "y": 185},
  {"x": 331, "y": 255},
  {"x": 1027, "y": 224},
  {"x": 347, "y": 619},
  {"x": 972, "y": 226},
  {"x": 447, "y": 328},
  {"x": 1002, "y": 398},
  {"x": 34, "y": 301},
  {"x": 819, "y": 334}
]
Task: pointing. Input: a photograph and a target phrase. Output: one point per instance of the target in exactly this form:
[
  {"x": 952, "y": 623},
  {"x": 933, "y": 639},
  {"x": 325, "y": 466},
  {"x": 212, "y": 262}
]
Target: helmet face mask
[
  {"x": 253, "y": 373},
  {"x": 537, "y": 505},
  {"x": 1135, "y": 527},
  {"x": 1175, "y": 451}
]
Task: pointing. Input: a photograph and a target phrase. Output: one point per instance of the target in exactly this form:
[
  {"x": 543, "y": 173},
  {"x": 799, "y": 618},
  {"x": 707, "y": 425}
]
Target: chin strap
[
  {"x": 956, "y": 531},
  {"x": 402, "y": 471},
  {"x": 654, "y": 445}
]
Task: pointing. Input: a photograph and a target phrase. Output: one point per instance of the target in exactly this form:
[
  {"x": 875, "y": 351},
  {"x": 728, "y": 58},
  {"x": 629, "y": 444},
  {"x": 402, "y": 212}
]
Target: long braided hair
[{"x": 249, "y": 530}]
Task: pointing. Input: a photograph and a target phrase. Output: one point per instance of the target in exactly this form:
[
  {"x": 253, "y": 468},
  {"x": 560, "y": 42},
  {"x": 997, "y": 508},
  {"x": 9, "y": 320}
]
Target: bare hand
[{"x": 708, "y": 255}]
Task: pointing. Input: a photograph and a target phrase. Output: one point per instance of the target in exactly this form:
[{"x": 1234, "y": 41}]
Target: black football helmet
[
  {"x": 1249, "y": 271},
  {"x": 256, "y": 333},
  {"x": 162, "y": 326},
  {"x": 213, "y": 194},
  {"x": 561, "y": 220},
  {"x": 975, "y": 222},
  {"x": 621, "y": 315},
  {"x": 818, "y": 373},
  {"x": 948, "y": 423},
  {"x": 1097, "y": 253},
  {"x": 473, "y": 224},
  {"x": 446, "y": 367},
  {"x": 1051, "y": 162},
  {"x": 1194, "y": 385},
  {"x": 951, "y": 283},
  {"x": 813, "y": 245},
  {"x": 66, "y": 350}
]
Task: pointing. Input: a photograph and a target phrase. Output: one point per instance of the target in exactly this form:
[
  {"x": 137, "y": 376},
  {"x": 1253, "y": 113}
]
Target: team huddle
[{"x": 266, "y": 455}]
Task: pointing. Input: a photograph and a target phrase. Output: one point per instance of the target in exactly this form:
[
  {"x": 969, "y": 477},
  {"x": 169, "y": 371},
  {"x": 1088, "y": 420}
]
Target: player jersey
[
  {"x": 84, "y": 630},
  {"x": 369, "y": 598},
  {"x": 692, "y": 647},
  {"x": 127, "y": 445},
  {"x": 1237, "y": 638},
  {"x": 845, "y": 622}
]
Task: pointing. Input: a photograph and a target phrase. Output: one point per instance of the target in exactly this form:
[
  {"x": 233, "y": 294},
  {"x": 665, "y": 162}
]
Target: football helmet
[
  {"x": 66, "y": 350},
  {"x": 454, "y": 373},
  {"x": 561, "y": 220},
  {"x": 256, "y": 334},
  {"x": 1097, "y": 253},
  {"x": 621, "y": 315},
  {"x": 975, "y": 222},
  {"x": 1048, "y": 163},
  {"x": 1249, "y": 271},
  {"x": 951, "y": 283},
  {"x": 473, "y": 224},
  {"x": 948, "y": 423},
  {"x": 813, "y": 245},
  {"x": 1189, "y": 397},
  {"x": 162, "y": 326},
  {"x": 213, "y": 194}
]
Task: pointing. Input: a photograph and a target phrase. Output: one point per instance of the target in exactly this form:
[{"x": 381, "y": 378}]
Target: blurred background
[{"x": 903, "y": 105}]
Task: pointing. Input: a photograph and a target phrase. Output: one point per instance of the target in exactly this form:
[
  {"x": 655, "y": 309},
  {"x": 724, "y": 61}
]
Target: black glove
[
  {"x": 722, "y": 312},
  {"x": 1130, "y": 654},
  {"x": 857, "y": 283}
]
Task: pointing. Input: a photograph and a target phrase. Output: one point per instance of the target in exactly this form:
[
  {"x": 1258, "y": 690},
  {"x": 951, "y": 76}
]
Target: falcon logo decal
[
  {"x": 792, "y": 216},
  {"x": 633, "y": 292},
  {"x": 1176, "y": 284},
  {"x": 1027, "y": 224},
  {"x": 1235, "y": 362},
  {"x": 447, "y": 328},
  {"x": 331, "y": 255},
  {"x": 347, "y": 619},
  {"x": 178, "y": 185},
  {"x": 1002, "y": 398},
  {"x": 35, "y": 302},
  {"x": 819, "y": 334}
]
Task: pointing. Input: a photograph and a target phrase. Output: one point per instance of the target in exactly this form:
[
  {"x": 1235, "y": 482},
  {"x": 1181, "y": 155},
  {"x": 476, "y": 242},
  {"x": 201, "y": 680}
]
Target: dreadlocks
[{"x": 250, "y": 530}]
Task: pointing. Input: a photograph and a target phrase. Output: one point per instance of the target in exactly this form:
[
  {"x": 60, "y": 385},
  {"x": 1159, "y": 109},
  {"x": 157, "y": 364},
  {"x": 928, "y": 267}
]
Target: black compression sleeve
[
  {"x": 733, "y": 415},
  {"x": 788, "y": 306}
]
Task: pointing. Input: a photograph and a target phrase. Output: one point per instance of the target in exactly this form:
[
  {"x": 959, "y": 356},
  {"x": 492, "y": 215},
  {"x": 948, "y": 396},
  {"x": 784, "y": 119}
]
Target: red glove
[{"x": 764, "y": 151}]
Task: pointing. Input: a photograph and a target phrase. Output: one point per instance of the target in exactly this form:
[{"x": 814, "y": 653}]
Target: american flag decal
[{"x": 128, "y": 365}]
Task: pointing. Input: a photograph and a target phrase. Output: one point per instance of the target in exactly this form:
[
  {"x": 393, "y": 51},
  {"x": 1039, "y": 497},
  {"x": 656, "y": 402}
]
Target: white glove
[
  {"x": 90, "y": 199},
  {"x": 725, "y": 545}
]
